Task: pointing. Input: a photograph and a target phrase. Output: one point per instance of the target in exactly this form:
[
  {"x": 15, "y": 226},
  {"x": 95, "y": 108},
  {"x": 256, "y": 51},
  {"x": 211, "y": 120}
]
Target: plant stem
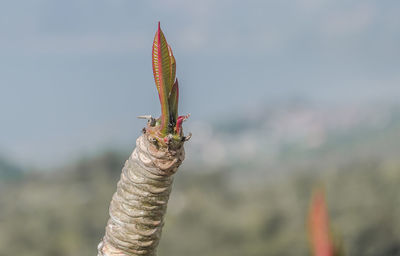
[{"x": 138, "y": 206}]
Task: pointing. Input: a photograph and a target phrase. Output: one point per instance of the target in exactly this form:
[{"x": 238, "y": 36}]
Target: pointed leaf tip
[{"x": 162, "y": 71}]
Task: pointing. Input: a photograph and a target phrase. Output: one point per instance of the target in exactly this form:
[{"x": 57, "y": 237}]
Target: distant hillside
[
  {"x": 9, "y": 170},
  {"x": 211, "y": 213},
  {"x": 225, "y": 200},
  {"x": 283, "y": 135}
]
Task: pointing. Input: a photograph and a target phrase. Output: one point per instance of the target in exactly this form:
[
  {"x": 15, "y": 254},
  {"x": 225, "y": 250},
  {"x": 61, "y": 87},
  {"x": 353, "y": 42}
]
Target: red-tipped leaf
[
  {"x": 179, "y": 122},
  {"x": 162, "y": 70}
]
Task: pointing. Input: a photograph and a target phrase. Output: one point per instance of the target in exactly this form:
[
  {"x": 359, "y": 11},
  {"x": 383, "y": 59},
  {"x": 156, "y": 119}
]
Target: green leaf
[
  {"x": 173, "y": 101},
  {"x": 163, "y": 71}
]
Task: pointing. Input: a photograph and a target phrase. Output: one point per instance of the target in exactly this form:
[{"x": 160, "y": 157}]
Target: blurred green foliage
[{"x": 221, "y": 212}]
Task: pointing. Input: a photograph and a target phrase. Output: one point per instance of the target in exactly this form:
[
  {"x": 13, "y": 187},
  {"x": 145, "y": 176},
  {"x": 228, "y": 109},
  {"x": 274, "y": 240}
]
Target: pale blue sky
[{"x": 74, "y": 74}]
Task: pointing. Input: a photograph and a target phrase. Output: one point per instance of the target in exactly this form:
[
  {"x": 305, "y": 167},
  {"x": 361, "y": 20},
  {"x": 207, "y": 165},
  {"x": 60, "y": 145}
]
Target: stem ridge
[{"x": 138, "y": 206}]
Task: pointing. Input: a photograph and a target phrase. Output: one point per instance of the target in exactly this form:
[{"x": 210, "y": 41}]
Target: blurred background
[{"x": 284, "y": 96}]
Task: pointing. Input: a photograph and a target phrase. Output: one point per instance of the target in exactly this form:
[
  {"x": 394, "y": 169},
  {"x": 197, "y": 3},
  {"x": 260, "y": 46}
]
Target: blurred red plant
[{"x": 319, "y": 227}]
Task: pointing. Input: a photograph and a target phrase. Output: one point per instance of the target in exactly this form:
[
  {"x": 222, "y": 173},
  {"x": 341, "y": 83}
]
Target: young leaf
[
  {"x": 162, "y": 70},
  {"x": 173, "y": 101},
  {"x": 173, "y": 66},
  {"x": 179, "y": 121}
]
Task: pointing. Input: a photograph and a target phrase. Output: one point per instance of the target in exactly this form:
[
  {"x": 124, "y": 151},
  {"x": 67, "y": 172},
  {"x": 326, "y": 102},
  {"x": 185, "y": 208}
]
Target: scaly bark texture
[{"x": 137, "y": 208}]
